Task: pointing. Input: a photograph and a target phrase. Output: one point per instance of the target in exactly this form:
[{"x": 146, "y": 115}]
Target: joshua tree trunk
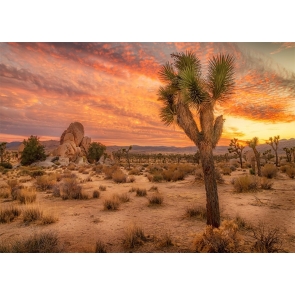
[
  {"x": 213, "y": 214},
  {"x": 257, "y": 157}
]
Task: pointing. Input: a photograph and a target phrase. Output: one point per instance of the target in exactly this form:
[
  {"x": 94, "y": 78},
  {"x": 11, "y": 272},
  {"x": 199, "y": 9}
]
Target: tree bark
[{"x": 213, "y": 214}]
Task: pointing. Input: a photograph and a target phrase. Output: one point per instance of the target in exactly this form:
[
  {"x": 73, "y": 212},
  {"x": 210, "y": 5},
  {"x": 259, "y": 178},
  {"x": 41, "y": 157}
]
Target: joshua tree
[
  {"x": 292, "y": 150},
  {"x": 274, "y": 143},
  {"x": 237, "y": 148},
  {"x": 288, "y": 153},
  {"x": 185, "y": 92},
  {"x": 126, "y": 152},
  {"x": 252, "y": 144},
  {"x": 2, "y": 150}
]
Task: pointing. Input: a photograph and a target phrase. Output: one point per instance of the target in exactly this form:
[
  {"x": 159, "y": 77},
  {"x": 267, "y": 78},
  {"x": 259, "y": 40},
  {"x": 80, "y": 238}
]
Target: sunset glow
[{"x": 111, "y": 88}]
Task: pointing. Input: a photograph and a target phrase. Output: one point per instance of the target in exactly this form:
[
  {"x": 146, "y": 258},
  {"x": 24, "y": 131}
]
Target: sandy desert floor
[{"x": 81, "y": 223}]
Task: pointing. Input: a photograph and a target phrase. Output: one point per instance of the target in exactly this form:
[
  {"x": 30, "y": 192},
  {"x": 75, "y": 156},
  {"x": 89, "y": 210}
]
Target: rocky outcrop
[{"x": 73, "y": 143}]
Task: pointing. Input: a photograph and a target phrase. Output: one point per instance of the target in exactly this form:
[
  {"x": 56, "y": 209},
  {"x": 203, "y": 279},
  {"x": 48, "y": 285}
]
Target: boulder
[
  {"x": 68, "y": 149},
  {"x": 21, "y": 148},
  {"x": 77, "y": 130},
  {"x": 85, "y": 144}
]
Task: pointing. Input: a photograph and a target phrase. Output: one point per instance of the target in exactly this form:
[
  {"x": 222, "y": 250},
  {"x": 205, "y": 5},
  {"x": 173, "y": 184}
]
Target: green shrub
[
  {"x": 6, "y": 165},
  {"x": 33, "y": 151},
  {"x": 95, "y": 151}
]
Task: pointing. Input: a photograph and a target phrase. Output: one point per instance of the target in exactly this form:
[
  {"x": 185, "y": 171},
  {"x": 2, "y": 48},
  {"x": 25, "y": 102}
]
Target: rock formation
[{"x": 73, "y": 143}]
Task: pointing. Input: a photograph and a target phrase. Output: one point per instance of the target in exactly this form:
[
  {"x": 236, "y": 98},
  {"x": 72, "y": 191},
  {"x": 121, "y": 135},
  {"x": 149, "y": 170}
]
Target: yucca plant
[{"x": 187, "y": 93}]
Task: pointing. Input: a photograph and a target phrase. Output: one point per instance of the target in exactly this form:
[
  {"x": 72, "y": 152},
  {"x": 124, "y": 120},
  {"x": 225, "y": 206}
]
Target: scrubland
[{"x": 147, "y": 208}]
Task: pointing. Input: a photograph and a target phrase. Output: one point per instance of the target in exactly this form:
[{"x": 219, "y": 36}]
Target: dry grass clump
[
  {"x": 199, "y": 175},
  {"x": 109, "y": 170},
  {"x": 246, "y": 183},
  {"x": 166, "y": 241},
  {"x": 290, "y": 171},
  {"x": 224, "y": 239},
  {"x": 31, "y": 214},
  {"x": 100, "y": 247},
  {"x": 269, "y": 171},
  {"x": 241, "y": 223},
  {"x": 135, "y": 171},
  {"x": 5, "y": 192},
  {"x": 7, "y": 215},
  {"x": 36, "y": 173},
  {"x": 48, "y": 218},
  {"x": 154, "y": 189},
  {"x": 12, "y": 183},
  {"x": 226, "y": 170},
  {"x": 111, "y": 203},
  {"x": 123, "y": 198},
  {"x": 133, "y": 235},
  {"x": 141, "y": 192},
  {"x": 46, "y": 182},
  {"x": 196, "y": 211},
  {"x": 70, "y": 189},
  {"x": 119, "y": 176},
  {"x": 157, "y": 177},
  {"x": 155, "y": 199},
  {"x": 102, "y": 188},
  {"x": 268, "y": 240},
  {"x": 46, "y": 242},
  {"x": 265, "y": 183},
  {"x": 71, "y": 167},
  {"x": 95, "y": 194},
  {"x": 130, "y": 179},
  {"x": 26, "y": 195}
]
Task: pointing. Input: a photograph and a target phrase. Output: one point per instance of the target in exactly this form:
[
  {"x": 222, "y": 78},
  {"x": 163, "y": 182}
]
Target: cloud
[{"x": 285, "y": 45}]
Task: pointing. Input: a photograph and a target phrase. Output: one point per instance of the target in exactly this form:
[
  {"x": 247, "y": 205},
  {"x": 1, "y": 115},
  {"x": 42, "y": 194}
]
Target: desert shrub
[
  {"x": 33, "y": 151},
  {"x": 102, "y": 188},
  {"x": 119, "y": 176},
  {"x": 133, "y": 235},
  {"x": 233, "y": 168},
  {"x": 166, "y": 241},
  {"x": 8, "y": 214},
  {"x": 156, "y": 177},
  {"x": 111, "y": 203},
  {"x": 123, "y": 198},
  {"x": 267, "y": 240},
  {"x": 95, "y": 151},
  {"x": 196, "y": 211},
  {"x": 5, "y": 192},
  {"x": 241, "y": 223},
  {"x": 45, "y": 242},
  {"x": 269, "y": 171},
  {"x": 98, "y": 168},
  {"x": 95, "y": 194},
  {"x": 130, "y": 179},
  {"x": 246, "y": 183},
  {"x": 36, "y": 173},
  {"x": 265, "y": 183},
  {"x": 32, "y": 214},
  {"x": 109, "y": 170},
  {"x": 26, "y": 195},
  {"x": 284, "y": 168},
  {"x": 12, "y": 183},
  {"x": 290, "y": 171},
  {"x": 47, "y": 218},
  {"x": 141, "y": 192},
  {"x": 70, "y": 189},
  {"x": 226, "y": 170},
  {"x": 100, "y": 247},
  {"x": 251, "y": 171},
  {"x": 155, "y": 199},
  {"x": 135, "y": 171},
  {"x": 218, "y": 240},
  {"x": 154, "y": 188},
  {"x": 46, "y": 182},
  {"x": 56, "y": 190},
  {"x": 6, "y": 165},
  {"x": 72, "y": 167}
]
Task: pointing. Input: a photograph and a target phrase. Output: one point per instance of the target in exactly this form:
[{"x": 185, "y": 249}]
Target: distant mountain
[{"x": 50, "y": 145}]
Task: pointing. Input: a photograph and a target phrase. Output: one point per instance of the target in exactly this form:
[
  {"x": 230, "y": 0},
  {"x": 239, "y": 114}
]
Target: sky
[{"x": 111, "y": 88}]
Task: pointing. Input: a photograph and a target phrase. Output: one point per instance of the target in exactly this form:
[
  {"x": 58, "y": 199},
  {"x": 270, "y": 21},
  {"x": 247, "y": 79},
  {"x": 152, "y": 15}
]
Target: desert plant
[
  {"x": 95, "y": 194},
  {"x": 111, "y": 203},
  {"x": 5, "y": 192},
  {"x": 246, "y": 183},
  {"x": 119, "y": 176},
  {"x": 47, "y": 218},
  {"x": 26, "y": 195},
  {"x": 109, "y": 170},
  {"x": 274, "y": 143},
  {"x": 102, "y": 188},
  {"x": 266, "y": 183},
  {"x": 226, "y": 170},
  {"x": 290, "y": 171},
  {"x": 267, "y": 239},
  {"x": 237, "y": 148},
  {"x": 253, "y": 144},
  {"x": 141, "y": 192},
  {"x": 131, "y": 179},
  {"x": 184, "y": 87},
  {"x": 196, "y": 211},
  {"x": 12, "y": 183},
  {"x": 123, "y": 198},
  {"x": 154, "y": 188},
  {"x": 133, "y": 235},
  {"x": 224, "y": 239},
  {"x": 33, "y": 151},
  {"x": 32, "y": 214},
  {"x": 100, "y": 247},
  {"x": 95, "y": 151},
  {"x": 46, "y": 242},
  {"x": 46, "y": 182},
  {"x": 269, "y": 171},
  {"x": 155, "y": 199},
  {"x": 36, "y": 173},
  {"x": 8, "y": 214},
  {"x": 166, "y": 241},
  {"x": 70, "y": 189}
]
